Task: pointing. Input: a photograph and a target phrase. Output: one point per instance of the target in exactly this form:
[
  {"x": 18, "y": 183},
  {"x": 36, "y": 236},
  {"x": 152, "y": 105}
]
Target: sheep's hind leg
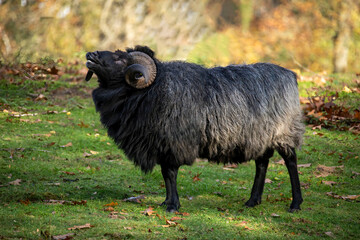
[
  {"x": 172, "y": 198},
  {"x": 289, "y": 156},
  {"x": 259, "y": 181}
]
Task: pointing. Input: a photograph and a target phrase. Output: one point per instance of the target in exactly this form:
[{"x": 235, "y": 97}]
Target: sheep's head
[{"x": 136, "y": 66}]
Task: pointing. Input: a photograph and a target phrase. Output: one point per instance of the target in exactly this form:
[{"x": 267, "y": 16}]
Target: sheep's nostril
[{"x": 93, "y": 57}]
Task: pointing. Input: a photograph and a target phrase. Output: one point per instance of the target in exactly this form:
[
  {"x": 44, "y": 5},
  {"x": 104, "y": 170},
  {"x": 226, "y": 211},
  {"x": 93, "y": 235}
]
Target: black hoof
[
  {"x": 172, "y": 209},
  {"x": 295, "y": 206},
  {"x": 292, "y": 210},
  {"x": 252, "y": 203}
]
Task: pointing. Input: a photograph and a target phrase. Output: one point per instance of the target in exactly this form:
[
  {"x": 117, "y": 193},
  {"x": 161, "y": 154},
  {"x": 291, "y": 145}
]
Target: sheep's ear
[
  {"x": 143, "y": 49},
  {"x": 141, "y": 73}
]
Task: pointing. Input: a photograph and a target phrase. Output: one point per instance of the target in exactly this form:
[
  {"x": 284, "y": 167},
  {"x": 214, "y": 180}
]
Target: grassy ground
[{"x": 57, "y": 150}]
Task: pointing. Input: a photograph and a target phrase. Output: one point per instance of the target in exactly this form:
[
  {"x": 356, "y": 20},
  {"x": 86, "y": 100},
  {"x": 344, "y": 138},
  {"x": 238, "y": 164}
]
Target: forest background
[
  {"x": 312, "y": 35},
  {"x": 61, "y": 177}
]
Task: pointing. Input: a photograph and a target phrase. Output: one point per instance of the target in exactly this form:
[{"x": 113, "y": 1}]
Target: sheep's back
[{"x": 230, "y": 113}]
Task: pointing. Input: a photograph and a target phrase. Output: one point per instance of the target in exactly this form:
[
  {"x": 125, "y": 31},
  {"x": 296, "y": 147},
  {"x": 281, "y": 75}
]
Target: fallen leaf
[
  {"x": 171, "y": 222},
  {"x": 281, "y": 162},
  {"x": 165, "y": 226},
  {"x": 52, "y": 112},
  {"x": 83, "y": 125},
  {"x": 52, "y": 201},
  {"x": 42, "y": 135},
  {"x": 241, "y": 223},
  {"x": 182, "y": 213},
  {"x": 176, "y": 218},
  {"x": 233, "y": 165},
  {"x": 67, "y": 236},
  {"x": 93, "y": 152},
  {"x": 53, "y": 184},
  {"x": 228, "y": 169},
  {"x": 196, "y": 177},
  {"x": 112, "y": 204},
  {"x": 69, "y": 144},
  {"x": 82, "y": 202},
  {"x": 69, "y": 173},
  {"x": 13, "y": 114},
  {"x": 331, "y": 153},
  {"x": 330, "y": 183},
  {"x": 134, "y": 199},
  {"x": 114, "y": 215},
  {"x": 311, "y": 112},
  {"x": 306, "y": 165},
  {"x": 268, "y": 180},
  {"x": 15, "y": 182},
  {"x": 324, "y": 171},
  {"x": 305, "y": 185},
  {"x": 330, "y": 234},
  {"x": 304, "y": 100},
  {"x": 347, "y": 197},
  {"x": 50, "y": 144},
  {"x": 346, "y": 89},
  {"x": 355, "y": 174},
  {"x": 149, "y": 211},
  {"x": 87, "y": 154},
  {"x": 318, "y": 134},
  {"x": 317, "y": 127},
  {"x": 275, "y": 215},
  {"x": 350, "y": 197},
  {"x": 247, "y": 228},
  {"x": 64, "y": 202},
  {"x": 40, "y": 97},
  {"x": 109, "y": 209},
  {"x": 87, "y": 225}
]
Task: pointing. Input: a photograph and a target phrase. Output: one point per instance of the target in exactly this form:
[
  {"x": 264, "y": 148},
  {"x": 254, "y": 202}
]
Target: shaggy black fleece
[{"x": 226, "y": 114}]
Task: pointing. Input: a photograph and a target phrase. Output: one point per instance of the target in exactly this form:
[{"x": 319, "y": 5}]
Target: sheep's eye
[{"x": 138, "y": 75}]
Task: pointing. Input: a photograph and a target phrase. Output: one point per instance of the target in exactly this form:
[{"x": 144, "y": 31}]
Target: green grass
[
  {"x": 334, "y": 83},
  {"x": 31, "y": 151}
]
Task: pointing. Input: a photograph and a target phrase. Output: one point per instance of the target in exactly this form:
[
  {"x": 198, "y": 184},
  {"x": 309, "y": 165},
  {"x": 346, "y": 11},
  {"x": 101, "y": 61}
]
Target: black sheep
[{"x": 171, "y": 113}]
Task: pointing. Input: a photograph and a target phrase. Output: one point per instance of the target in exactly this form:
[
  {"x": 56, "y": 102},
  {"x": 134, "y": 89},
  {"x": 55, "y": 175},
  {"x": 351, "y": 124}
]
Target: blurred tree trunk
[
  {"x": 343, "y": 37},
  {"x": 246, "y": 13}
]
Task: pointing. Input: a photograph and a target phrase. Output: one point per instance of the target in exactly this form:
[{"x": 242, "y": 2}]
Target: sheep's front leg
[
  {"x": 259, "y": 181},
  {"x": 290, "y": 159},
  {"x": 172, "y": 198}
]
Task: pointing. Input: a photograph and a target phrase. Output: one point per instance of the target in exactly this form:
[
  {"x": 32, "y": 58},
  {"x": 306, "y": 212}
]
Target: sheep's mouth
[
  {"x": 89, "y": 75},
  {"x": 91, "y": 63}
]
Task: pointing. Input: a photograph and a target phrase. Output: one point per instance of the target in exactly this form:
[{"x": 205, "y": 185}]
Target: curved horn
[{"x": 142, "y": 72}]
